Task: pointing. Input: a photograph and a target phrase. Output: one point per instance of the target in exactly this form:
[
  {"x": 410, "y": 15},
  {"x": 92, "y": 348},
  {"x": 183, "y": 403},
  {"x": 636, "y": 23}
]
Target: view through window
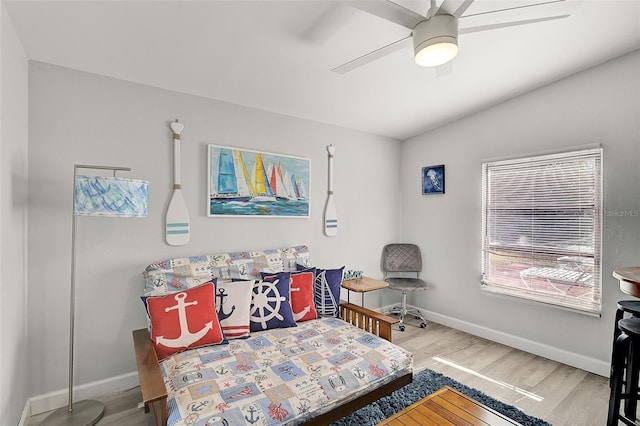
[{"x": 541, "y": 228}]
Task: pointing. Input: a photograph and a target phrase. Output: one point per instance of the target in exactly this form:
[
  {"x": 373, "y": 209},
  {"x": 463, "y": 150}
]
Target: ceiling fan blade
[
  {"x": 533, "y": 10},
  {"x": 524, "y": 6},
  {"x": 390, "y": 11},
  {"x": 372, "y": 56},
  {"x": 433, "y": 9},
  {"x": 454, "y": 7},
  {"x": 508, "y": 24}
]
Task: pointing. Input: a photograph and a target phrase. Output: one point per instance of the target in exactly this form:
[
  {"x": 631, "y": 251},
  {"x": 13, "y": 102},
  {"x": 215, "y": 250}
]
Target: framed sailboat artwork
[{"x": 244, "y": 183}]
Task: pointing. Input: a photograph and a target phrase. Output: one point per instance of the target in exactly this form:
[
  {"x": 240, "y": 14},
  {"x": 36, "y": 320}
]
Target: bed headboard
[{"x": 178, "y": 274}]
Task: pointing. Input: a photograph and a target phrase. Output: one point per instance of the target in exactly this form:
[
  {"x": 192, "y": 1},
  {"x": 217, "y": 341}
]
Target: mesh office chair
[{"x": 401, "y": 260}]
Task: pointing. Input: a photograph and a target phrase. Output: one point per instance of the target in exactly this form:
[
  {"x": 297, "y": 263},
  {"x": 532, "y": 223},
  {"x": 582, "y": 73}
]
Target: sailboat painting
[{"x": 252, "y": 183}]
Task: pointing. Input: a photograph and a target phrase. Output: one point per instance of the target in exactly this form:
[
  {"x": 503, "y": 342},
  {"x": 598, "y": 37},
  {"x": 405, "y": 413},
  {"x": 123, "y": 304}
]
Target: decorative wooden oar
[
  {"x": 330, "y": 212},
  {"x": 177, "y": 217}
]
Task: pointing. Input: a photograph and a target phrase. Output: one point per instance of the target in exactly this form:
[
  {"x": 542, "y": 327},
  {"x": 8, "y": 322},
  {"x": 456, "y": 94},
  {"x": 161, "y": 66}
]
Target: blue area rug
[{"x": 425, "y": 383}]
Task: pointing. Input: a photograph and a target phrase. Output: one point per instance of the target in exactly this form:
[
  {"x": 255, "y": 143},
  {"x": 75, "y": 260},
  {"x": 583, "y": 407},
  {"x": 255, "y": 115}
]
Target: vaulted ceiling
[{"x": 278, "y": 55}]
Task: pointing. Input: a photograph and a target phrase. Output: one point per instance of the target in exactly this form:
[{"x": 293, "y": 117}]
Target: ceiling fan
[{"x": 435, "y": 36}]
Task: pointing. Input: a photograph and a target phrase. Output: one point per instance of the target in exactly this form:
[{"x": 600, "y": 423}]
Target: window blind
[{"x": 541, "y": 228}]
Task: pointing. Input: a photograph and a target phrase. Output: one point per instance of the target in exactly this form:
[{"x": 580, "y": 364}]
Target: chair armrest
[
  {"x": 154, "y": 392},
  {"x": 366, "y": 319}
]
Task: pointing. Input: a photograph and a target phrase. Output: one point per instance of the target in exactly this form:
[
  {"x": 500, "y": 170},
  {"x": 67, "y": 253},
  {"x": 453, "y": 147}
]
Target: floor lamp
[{"x": 107, "y": 196}]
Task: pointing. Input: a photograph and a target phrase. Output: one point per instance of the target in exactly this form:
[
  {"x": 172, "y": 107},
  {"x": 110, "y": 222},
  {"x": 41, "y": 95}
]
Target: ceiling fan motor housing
[{"x": 432, "y": 32}]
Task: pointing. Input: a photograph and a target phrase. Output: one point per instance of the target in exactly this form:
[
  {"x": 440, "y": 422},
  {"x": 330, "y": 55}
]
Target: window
[{"x": 541, "y": 228}]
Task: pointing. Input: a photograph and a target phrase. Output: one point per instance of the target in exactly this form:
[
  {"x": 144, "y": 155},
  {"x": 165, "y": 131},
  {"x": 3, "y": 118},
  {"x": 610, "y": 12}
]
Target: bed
[{"x": 312, "y": 372}]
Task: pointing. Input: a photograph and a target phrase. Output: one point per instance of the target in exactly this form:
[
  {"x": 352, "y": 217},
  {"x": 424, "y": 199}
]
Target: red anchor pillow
[
  {"x": 302, "y": 303},
  {"x": 184, "y": 320}
]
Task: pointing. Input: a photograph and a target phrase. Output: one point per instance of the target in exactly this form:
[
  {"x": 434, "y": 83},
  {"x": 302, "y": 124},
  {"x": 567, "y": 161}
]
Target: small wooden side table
[
  {"x": 629, "y": 280},
  {"x": 363, "y": 285}
]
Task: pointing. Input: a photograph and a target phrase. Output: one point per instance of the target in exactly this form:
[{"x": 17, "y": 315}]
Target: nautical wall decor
[
  {"x": 177, "y": 215},
  {"x": 254, "y": 183},
  {"x": 330, "y": 212},
  {"x": 433, "y": 179}
]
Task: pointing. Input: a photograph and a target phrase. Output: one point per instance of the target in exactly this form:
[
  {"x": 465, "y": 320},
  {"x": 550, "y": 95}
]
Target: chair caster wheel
[
  {"x": 416, "y": 317},
  {"x": 423, "y": 325},
  {"x": 402, "y": 328}
]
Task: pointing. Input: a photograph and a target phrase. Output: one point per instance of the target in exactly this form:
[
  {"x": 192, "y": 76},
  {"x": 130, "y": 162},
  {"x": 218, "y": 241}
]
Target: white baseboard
[
  {"x": 573, "y": 359},
  {"x": 52, "y": 400}
]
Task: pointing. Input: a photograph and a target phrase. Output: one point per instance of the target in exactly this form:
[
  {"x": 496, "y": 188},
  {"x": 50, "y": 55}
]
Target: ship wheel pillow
[
  {"x": 271, "y": 303},
  {"x": 184, "y": 320}
]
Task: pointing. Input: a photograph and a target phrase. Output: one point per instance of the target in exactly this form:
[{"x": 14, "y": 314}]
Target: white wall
[
  {"x": 597, "y": 106},
  {"x": 13, "y": 224},
  {"x": 76, "y": 117}
]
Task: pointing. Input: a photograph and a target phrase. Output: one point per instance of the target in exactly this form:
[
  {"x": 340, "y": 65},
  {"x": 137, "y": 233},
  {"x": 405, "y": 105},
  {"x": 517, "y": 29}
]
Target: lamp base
[{"x": 85, "y": 413}]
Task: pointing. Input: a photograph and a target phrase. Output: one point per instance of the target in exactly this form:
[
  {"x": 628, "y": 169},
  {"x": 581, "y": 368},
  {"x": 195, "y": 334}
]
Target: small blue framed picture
[{"x": 433, "y": 179}]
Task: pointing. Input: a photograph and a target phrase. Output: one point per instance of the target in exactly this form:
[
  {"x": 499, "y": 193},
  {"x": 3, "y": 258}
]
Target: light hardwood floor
[{"x": 557, "y": 393}]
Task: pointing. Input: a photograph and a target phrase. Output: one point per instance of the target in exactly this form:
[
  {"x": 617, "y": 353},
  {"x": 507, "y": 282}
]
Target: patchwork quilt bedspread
[{"x": 279, "y": 377}]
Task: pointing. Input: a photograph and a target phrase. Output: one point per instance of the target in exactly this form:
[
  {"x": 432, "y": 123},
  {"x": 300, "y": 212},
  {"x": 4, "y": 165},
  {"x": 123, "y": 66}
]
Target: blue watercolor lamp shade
[{"x": 110, "y": 196}]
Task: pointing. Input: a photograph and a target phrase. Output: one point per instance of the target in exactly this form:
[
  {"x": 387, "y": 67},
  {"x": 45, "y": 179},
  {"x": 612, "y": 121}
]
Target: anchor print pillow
[
  {"x": 270, "y": 303},
  {"x": 301, "y": 293},
  {"x": 184, "y": 320},
  {"x": 233, "y": 301}
]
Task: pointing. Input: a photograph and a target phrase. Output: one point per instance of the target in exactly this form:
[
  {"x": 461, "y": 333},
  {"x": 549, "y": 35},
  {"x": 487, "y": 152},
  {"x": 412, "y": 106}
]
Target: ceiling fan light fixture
[
  {"x": 436, "y": 54},
  {"x": 435, "y": 40}
]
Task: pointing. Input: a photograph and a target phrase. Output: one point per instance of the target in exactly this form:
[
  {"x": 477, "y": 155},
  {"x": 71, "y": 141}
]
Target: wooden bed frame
[{"x": 154, "y": 393}]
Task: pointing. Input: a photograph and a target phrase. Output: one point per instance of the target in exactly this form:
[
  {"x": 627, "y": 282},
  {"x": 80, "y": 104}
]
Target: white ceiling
[{"x": 277, "y": 55}]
